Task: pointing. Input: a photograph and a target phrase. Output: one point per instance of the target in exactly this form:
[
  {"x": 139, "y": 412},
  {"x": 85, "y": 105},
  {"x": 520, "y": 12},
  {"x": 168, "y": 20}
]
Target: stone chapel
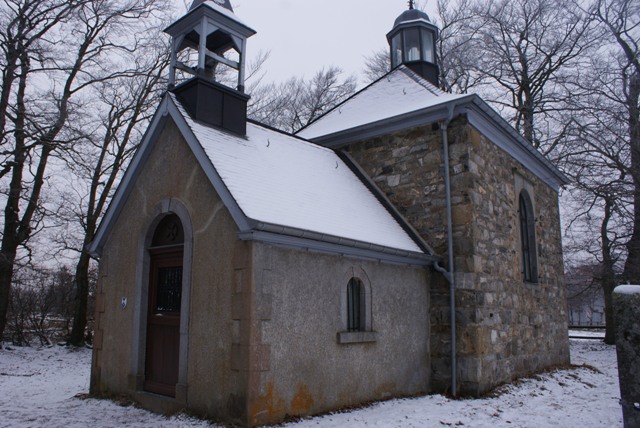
[{"x": 407, "y": 242}]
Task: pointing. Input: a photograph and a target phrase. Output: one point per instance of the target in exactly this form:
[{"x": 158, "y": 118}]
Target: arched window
[
  {"x": 527, "y": 238},
  {"x": 355, "y": 305}
]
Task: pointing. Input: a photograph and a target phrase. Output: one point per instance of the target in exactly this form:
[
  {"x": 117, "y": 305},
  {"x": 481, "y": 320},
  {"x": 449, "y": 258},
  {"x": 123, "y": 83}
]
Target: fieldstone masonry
[
  {"x": 505, "y": 327},
  {"x": 626, "y": 308}
]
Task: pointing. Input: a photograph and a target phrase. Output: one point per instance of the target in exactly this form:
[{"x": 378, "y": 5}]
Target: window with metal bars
[
  {"x": 527, "y": 238},
  {"x": 355, "y": 305}
]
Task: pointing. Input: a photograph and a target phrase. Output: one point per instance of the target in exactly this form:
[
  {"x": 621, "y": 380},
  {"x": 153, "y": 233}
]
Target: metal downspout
[{"x": 449, "y": 274}]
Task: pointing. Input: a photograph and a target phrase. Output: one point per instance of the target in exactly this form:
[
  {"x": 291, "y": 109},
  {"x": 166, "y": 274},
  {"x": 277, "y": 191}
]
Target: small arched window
[
  {"x": 527, "y": 238},
  {"x": 355, "y": 305}
]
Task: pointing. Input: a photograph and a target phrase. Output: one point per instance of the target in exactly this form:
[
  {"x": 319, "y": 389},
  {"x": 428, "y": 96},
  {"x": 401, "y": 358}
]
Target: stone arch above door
[{"x": 161, "y": 210}]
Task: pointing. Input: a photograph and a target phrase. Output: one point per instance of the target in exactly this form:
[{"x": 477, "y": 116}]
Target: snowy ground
[{"x": 43, "y": 387}]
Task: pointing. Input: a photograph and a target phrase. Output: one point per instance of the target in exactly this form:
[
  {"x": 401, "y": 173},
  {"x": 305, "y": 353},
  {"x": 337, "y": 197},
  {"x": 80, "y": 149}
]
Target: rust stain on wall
[
  {"x": 302, "y": 402},
  {"x": 267, "y": 407}
]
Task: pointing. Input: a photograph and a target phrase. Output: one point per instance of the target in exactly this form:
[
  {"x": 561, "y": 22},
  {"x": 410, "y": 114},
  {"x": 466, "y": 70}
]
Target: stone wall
[
  {"x": 506, "y": 327},
  {"x": 626, "y": 307}
]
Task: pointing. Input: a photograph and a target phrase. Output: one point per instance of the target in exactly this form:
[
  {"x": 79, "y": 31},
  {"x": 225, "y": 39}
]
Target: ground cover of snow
[
  {"x": 46, "y": 387},
  {"x": 627, "y": 289}
]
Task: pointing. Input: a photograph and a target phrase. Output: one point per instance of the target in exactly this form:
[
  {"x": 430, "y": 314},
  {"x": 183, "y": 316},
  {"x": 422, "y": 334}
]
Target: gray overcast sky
[{"x": 306, "y": 35}]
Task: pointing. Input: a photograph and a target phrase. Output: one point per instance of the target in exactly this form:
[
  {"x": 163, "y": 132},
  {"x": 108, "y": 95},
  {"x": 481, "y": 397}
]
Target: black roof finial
[{"x": 411, "y": 4}]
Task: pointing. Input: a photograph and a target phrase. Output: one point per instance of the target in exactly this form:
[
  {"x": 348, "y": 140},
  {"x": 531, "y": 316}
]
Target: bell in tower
[
  {"x": 208, "y": 45},
  {"x": 413, "y": 43}
]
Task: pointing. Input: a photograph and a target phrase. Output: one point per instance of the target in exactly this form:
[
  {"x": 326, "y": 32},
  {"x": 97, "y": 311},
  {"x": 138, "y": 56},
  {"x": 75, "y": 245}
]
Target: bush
[{"x": 41, "y": 305}]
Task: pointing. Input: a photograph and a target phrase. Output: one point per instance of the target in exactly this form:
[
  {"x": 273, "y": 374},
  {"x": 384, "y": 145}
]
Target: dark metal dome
[
  {"x": 411, "y": 15},
  {"x": 224, "y": 3}
]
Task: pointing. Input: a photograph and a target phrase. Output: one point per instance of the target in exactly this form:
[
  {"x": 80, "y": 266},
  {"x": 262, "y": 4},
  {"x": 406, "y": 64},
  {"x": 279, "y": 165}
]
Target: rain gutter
[{"x": 449, "y": 274}]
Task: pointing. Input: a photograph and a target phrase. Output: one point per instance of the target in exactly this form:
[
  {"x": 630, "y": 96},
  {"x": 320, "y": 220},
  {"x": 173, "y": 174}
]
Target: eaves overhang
[
  {"x": 421, "y": 117},
  {"x": 318, "y": 242},
  {"x": 500, "y": 132},
  {"x": 223, "y": 19},
  {"x": 480, "y": 115}
]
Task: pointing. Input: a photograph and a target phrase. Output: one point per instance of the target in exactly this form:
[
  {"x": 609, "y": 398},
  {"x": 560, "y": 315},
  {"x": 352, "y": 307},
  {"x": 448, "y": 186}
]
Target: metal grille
[
  {"x": 354, "y": 305},
  {"x": 169, "y": 291},
  {"x": 527, "y": 239}
]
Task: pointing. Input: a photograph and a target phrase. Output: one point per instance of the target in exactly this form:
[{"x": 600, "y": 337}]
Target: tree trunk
[
  {"x": 608, "y": 274},
  {"x": 81, "y": 282},
  {"x": 6, "y": 275}
]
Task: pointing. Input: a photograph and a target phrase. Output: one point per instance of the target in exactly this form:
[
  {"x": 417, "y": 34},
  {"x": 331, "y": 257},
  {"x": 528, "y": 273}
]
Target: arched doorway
[{"x": 162, "y": 356}]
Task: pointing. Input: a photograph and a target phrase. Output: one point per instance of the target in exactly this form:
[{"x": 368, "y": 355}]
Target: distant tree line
[{"x": 80, "y": 79}]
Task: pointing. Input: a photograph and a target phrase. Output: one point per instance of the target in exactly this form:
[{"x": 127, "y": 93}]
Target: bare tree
[
  {"x": 376, "y": 65},
  {"x": 291, "y": 105},
  {"x": 98, "y": 162},
  {"x": 39, "y": 305},
  {"x": 600, "y": 148},
  {"x": 457, "y": 46},
  {"x": 621, "y": 19},
  {"x": 523, "y": 52},
  {"x": 52, "y": 52}
]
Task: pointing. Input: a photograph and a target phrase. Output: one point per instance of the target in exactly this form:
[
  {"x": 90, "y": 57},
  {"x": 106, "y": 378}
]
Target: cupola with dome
[{"x": 413, "y": 43}]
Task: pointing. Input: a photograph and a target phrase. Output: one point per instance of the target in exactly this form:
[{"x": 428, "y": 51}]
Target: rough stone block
[{"x": 626, "y": 307}]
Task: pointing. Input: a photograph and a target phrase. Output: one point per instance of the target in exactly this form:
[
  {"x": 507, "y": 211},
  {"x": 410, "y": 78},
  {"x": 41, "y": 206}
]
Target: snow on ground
[
  {"x": 42, "y": 387},
  {"x": 38, "y": 388}
]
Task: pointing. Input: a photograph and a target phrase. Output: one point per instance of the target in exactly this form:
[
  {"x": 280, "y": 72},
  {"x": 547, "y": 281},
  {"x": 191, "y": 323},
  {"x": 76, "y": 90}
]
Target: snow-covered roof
[
  {"x": 282, "y": 189},
  {"x": 399, "y": 93},
  {"x": 226, "y": 11},
  {"x": 404, "y": 100},
  {"x": 230, "y": 21},
  {"x": 282, "y": 180}
]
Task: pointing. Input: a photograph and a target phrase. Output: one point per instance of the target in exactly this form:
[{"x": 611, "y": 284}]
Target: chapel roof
[
  {"x": 283, "y": 189},
  {"x": 396, "y": 95},
  {"x": 280, "y": 179},
  {"x": 403, "y": 100}
]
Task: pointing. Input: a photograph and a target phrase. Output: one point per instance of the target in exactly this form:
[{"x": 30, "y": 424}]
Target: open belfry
[{"x": 406, "y": 242}]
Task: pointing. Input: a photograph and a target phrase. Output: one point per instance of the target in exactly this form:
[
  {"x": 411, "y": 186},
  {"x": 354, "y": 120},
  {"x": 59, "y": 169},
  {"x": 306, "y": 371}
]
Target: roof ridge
[
  {"x": 251, "y": 122},
  {"x": 349, "y": 98}
]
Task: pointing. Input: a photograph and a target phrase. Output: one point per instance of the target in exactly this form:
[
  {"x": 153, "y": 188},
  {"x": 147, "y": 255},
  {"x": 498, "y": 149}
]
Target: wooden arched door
[{"x": 163, "y": 314}]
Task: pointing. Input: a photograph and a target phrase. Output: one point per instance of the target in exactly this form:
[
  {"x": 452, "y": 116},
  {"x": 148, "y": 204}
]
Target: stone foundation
[{"x": 626, "y": 307}]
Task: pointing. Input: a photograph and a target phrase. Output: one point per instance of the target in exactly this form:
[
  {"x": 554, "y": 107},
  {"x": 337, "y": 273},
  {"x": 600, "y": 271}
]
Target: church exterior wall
[
  {"x": 170, "y": 177},
  {"x": 263, "y": 321},
  {"x": 505, "y": 327},
  {"x": 299, "y": 307}
]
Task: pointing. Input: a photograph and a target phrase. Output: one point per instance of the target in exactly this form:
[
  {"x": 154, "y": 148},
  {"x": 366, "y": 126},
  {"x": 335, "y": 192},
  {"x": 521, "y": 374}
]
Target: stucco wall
[
  {"x": 213, "y": 387},
  {"x": 298, "y": 298},
  {"x": 506, "y": 327}
]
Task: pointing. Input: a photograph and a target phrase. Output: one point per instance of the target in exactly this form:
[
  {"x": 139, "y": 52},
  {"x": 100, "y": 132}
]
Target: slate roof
[
  {"x": 282, "y": 189},
  {"x": 403, "y": 100},
  {"x": 397, "y": 94}
]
